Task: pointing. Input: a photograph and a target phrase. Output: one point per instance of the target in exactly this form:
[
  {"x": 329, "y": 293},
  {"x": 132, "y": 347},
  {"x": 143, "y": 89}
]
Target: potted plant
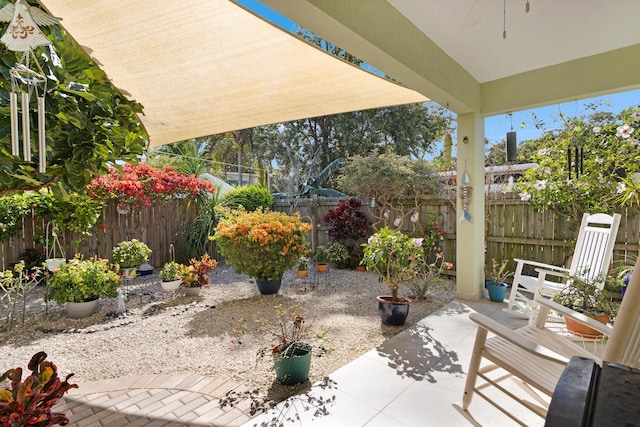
[
  {"x": 623, "y": 271},
  {"x": 302, "y": 267},
  {"x": 339, "y": 255},
  {"x": 33, "y": 259},
  {"x": 321, "y": 257},
  {"x": 15, "y": 284},
  {"x": 427, "y": 276},
  {"x": 128, "y": 255},
  {"x": 170, "y": 276},
  {"x": 80, "y": 283},
  {"x": 496, "y": 277},
  {"x": 30, "y": 402},
  {"x": 262, "y": 244},
  {"x": 582, "y": 295},
  {"x": 195, "y": 276},
  {"x": 347, "y": 226},
  {"x": 392, "y": 255},
  {"x": 293, "y": 340}
]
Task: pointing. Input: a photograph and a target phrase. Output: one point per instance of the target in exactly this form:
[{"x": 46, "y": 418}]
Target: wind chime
[
  {"x": 24, "y": 35},
  {"x": 465, "y": 195},
  {"x": 578, "y": 158},
  {"x": 511, "y": 146}
]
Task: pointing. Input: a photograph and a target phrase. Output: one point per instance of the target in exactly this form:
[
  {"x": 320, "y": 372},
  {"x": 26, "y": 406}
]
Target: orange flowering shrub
[{"x": 261, "y": 244}]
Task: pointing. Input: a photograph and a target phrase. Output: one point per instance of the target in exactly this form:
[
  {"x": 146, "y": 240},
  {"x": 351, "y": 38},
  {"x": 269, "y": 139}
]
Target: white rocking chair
[
  {"x": 591, "y": 260},
  {"x": 538, "y": 355}
]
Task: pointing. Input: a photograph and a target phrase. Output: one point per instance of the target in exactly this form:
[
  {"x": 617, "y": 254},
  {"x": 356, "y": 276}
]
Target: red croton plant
[
  {"x": 30, "y": 402},
  {"x": 143, "y": 186}
]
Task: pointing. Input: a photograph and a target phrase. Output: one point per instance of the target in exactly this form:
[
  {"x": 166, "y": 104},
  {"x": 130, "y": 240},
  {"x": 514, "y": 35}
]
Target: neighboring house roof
[{"x": 220, "y": 185}]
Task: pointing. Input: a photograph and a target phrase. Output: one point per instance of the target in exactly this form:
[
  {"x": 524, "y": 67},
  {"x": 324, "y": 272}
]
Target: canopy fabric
[{"x": 203, "y": 67}]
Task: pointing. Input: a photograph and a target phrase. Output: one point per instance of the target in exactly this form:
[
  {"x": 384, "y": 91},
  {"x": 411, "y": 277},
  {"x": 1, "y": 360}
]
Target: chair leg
[
  {"x": 518, "y": 303},
  {"x": 474, "y": 366},
  {"x": 513, "y": 295}
]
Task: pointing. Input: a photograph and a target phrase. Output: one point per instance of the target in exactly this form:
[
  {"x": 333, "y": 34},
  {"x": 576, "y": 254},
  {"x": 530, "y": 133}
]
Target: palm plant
[{"x": 194, "y": 241}]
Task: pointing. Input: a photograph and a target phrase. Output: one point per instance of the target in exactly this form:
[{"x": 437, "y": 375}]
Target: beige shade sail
[{"x": 203, "y": 67}]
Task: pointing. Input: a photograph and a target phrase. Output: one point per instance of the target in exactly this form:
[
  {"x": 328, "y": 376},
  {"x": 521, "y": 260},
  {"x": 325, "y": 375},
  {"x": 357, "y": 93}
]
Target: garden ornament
[
  {"x": 120, "y": 308},
  {"x": 24, "y": 35},
  {"x": 414, "y": 219},
  {"x": 465, "y": 196}
]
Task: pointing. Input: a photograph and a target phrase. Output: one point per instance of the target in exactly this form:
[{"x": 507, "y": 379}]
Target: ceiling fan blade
[{"x": 474, "y": 14}]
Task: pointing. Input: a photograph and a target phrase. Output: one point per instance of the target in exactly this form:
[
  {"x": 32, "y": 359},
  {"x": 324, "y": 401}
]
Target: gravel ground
[{"x": 167, "y": 333}]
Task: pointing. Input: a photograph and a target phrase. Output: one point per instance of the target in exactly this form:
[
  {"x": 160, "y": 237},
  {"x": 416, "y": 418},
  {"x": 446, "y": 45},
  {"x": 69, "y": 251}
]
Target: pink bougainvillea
[{"x": 142, "y": 185}]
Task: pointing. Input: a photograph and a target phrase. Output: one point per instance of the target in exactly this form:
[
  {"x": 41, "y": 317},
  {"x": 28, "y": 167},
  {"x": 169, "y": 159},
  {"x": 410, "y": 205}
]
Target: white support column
[{"x": 470, "y": 244}]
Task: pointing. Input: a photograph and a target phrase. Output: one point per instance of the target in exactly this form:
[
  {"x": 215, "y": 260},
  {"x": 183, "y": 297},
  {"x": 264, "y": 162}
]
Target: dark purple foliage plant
[{"x": 348, "y": 225}]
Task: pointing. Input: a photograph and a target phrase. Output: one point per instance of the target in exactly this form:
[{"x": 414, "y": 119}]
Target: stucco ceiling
[
  {"x": 552, "y": 32},
  {"x": 453, "y": 51}
]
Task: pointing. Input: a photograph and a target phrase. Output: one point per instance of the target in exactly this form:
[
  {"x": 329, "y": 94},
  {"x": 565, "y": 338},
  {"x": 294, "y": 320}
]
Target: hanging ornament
[
  {"x": 24, "y": 35},
  {"x": 511, "y": 147},
  {"x": 465, "y": 196},
  {"x": 575, "y": 163},
  {"x": 448, "y": 147},
  {"x": 414, "y": 219}
]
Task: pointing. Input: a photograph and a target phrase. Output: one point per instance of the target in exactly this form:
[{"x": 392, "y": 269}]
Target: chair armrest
[
  {"x": 578, "y": 317},
  {"x": 560, "y": 272},
  {"x": 515, "y": 338},
  {"x": 539, "y": 264}
]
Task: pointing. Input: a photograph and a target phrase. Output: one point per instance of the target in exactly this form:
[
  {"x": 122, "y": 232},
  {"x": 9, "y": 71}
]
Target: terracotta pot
[
  {"x": 583, "y": 331},
  {"x": 128, "y": 273},
  {"x": 322, "y": 267},
  {"x": 302, "y": 274}
]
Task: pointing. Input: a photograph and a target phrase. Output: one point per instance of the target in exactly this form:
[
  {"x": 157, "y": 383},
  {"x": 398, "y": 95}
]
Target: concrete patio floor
[{"x": 414, "y": 379}]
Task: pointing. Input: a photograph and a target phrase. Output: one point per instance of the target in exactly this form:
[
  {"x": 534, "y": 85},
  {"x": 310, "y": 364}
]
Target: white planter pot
[
  {"x": 171, "y": 285},
  {"x": 78, "y": 310},
  {"x": 54, "y": 263},
  {"x": 192, "y": 292}
]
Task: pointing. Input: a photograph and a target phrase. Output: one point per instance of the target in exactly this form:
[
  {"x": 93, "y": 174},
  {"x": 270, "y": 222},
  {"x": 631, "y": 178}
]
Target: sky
[{"x": 496, "y": 127}]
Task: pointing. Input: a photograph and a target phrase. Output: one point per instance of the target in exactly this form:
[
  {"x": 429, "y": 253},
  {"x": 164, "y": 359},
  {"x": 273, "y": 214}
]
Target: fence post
[{"x": 314, "y": 222}]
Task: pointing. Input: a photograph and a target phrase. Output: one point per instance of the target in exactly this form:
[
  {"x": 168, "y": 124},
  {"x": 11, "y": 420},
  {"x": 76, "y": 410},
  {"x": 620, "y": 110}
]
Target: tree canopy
[{"x": 386, "y": 180}]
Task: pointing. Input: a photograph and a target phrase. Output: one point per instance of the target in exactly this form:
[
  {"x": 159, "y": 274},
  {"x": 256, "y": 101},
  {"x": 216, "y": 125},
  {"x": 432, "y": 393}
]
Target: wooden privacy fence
[
  {"x": 513, "y": 230},
  {"x": 157, "y": 226}
]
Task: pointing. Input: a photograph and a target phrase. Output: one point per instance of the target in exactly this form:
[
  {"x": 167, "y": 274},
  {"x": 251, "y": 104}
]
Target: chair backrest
[
  {"x": 594, "y": 247},
  {"x": 623, "y": 346}
]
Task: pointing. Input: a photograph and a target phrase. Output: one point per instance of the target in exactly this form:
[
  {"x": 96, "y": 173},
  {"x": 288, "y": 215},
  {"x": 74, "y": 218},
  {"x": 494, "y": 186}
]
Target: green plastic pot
[{"x": 293, "y": 369}]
